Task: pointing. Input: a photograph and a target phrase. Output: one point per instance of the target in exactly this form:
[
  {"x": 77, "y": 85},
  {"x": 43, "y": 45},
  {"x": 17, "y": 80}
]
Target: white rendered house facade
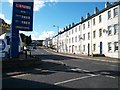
[{"x": 97, "y": 34}]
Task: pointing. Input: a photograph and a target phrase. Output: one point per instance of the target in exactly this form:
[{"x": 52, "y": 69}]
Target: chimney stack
[
  {"x": 82, "y": 19},
  {"x": 66, "y": 27},
  {"x": 72, "y": 24},
  {"x": 88, "y": 15},
  {"x": 96, "y": 10},
  {"x": 107, "y": 4},
  {"x": 69, "y": 25}
]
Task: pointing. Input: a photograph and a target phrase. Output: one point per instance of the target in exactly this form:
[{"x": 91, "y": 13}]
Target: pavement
[
  {"x": 20, "y": 71},
  {"x": 104, "y": 59}
]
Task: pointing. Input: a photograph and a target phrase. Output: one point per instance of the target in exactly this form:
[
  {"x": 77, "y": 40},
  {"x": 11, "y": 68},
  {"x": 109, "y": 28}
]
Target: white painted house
[{"x": 97, "y": 34}]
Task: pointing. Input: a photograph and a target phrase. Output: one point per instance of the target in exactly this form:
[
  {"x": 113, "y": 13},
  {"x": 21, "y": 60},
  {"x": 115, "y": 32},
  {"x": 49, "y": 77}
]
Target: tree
[
  {"x": 26, "y": 39},
  {"x": 22, "y": 37}
]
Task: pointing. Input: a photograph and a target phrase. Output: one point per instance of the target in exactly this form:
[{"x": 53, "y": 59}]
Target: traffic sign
[{"x": 2, "y": 45}]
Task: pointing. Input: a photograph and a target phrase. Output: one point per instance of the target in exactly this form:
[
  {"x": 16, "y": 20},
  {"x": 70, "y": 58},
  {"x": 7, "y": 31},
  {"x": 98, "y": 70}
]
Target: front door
[
  {"x": 88, "y": 49},
  {"x": 100, "y": 47},
  {"x": 72, "y": 48}
]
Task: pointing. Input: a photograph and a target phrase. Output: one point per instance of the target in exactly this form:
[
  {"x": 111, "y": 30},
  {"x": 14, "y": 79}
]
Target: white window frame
[
  {"x": 115, "y": 45},
  {"x": 94, "y": 34},
  {"x": 84, "y": 26},
  {"x": 88, "y": 24},
  {"x": 88, "y": 35},
  {"x": 115, "y": 11},
  {"x": 109, "y": 30},
  {"x": 83, "y": 48},
  {"x": 100, "y": 32},
  {"x": 109, "y": 46},
  {"x": 100, "y": 18},
  {"x": 83, "y": 36},
  {"x": 115, "y": 29},
  {"x": 94, "y": 21},
  {"x": 94, "y": 47},
  {"x": 109, "y": 14}
]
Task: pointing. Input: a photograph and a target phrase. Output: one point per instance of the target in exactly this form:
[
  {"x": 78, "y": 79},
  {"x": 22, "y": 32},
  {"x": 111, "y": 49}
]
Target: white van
[{"x": 5, "y": 45}]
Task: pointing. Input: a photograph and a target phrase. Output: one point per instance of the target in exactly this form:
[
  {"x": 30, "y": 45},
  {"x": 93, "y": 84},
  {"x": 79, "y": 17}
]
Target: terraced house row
[{"x": 97, "y": 34}]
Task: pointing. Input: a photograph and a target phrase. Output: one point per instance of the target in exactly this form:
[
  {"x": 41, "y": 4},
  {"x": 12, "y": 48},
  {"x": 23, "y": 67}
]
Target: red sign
[{"x": 23, "y": 6}]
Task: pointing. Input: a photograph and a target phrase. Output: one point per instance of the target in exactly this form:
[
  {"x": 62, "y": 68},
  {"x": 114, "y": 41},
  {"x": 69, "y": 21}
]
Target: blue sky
[{"x": 47, "y": 14}]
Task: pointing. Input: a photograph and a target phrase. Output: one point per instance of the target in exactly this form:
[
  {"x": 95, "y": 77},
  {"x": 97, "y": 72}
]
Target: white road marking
[
  {"x": 75, "y": 79},
  {"x": 76, "y": 69},
  {"x": 20, "y": 75},
  {"x": 15, "y": 76},
  {"x": 13, "y": 73},
  {"x": 110, "y": 76},
  {"x": 85, "y": 70},
  {"x": 105, "y": 73}
]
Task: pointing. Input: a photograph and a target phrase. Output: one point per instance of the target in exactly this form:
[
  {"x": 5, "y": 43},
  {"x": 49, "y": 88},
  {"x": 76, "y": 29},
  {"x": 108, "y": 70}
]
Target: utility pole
[{"x": 57, "y": 36}]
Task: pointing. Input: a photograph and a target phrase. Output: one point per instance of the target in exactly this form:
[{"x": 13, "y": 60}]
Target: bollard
[
  {"x": 30, "y": 53},
  {"x": 26, "y": 54}
]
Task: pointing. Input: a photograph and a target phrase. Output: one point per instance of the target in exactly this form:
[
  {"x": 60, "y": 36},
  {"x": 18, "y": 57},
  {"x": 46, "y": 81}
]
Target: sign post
[{"x": 22, "y": 20}]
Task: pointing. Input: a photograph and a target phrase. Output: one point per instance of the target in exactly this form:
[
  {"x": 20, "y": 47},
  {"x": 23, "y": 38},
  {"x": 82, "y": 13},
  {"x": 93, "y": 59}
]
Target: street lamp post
[{"x": 57, "y": 36}]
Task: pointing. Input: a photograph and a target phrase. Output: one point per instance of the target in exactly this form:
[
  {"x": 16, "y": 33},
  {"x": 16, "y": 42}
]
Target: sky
[{"x": 52, "y": 12}]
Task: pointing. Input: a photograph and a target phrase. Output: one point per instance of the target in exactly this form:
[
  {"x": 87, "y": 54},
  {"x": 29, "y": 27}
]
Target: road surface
[{"x": 60, "y": 71}]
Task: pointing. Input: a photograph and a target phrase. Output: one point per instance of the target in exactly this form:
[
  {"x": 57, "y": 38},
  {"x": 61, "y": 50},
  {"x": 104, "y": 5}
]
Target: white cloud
[
  {"x": 6, "y": 20},
  {"x": 36, "y": 36},
  {"x": 38, "y": 4},
  {"x": 45, "y": 35}
]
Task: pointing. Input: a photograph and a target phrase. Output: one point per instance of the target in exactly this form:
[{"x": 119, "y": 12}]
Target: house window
[
  {"x": 79, "y": 48},
  {"x": 115, "y": 46},
  {"x": 94, "y": 21},
  {"x": 75, "y": 48},
  {"x": 72, "y": 31},
  {"x": 76, "y": 29},
  {"x": 88, "y": 24},
  {"x": 109, "y": 47},
  {"x": 115, "y": 28},
  {"x": 83, "y": 26},
  {"x": 109, "y": 14},
  {"x": 76, "y": 39},
  {"x": 89, "y": 36},
  {"x": 94, "y": 47},
  {"x": 79, "y": 28},
  {"x": 79, "y": 37},
  {"x": 69, "y": 32},
  {"x": 100, "y": 19},
  {"x": 69, "y": 48},
  {"x": 83, "y": 36},
  {"x": 83, "y": 47},
  {"x": 69, "y": 41},
  {"x": 115, "y": 12},
  {"x": 72, "y": 39},
  {"x": 109, "y": 30},
  {"x": 100, "y": 32},
  {"x": 94, "y": 34}
]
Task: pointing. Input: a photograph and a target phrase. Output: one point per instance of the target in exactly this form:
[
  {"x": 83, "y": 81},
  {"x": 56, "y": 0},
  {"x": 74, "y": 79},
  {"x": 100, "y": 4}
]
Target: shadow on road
[
  {"x": 54, "y": 57},
  {"x": 20, "y": 83},
  {"x": 47, "y": 68}
]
